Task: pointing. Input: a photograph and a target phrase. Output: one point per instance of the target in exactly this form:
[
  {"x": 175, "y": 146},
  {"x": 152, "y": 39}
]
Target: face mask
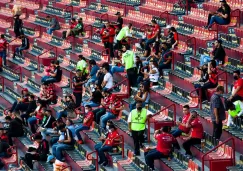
[
  {"x": 235, "y": 77},
  {"x": 86, "y": 110},
  {"x": 107, "y": 127},
  {"x": 139, "y": 108}
]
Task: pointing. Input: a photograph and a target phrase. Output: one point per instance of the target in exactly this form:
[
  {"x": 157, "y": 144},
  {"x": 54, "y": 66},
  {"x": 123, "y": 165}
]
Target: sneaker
[{"x": 225, "y": 127}]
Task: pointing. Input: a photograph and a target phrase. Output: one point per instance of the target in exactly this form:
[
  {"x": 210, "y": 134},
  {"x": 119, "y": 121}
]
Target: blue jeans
[
  {"x": 58, "y": 148},
  {"x": 61, "y": 114},
  {"x": 54, "y": 140},
  {"x": 218, "y": 20},
  {"x": 91, "y": 103},
  {"x": 47, "y": 131},
  {"x": 204, "y": 59},
  {"x": 148, "y": 42},
  {"x": 105, "y": 118},
  {"x": 3, "y": 154},
  {"x": 152, "y": 155},
  {"x": 32, "y": 122},
  {"x": 80, "y": 128},
  {"x": 48, "y": 79},
  {"x": 19, "y": 50},
  {"x": 176, "y": 133},
  {"x": 101, "y": 151},
  {"x": 91, "y": 80},
  {"x": 3, "y": 55},
  {"x": 115, "y": 69},
  {"x": 50, "y": 30}
]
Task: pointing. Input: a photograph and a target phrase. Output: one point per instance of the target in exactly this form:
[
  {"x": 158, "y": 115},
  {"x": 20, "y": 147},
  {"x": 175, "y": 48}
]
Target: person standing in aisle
[
  {"x": 128, "y": 59},
  {"x": 136, "y": 125},
  {"x": 78, "y": 87},
  {"x": 217, "y": 112}
]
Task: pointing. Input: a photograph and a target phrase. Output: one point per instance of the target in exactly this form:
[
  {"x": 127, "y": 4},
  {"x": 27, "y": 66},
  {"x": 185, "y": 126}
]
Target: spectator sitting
[
  {"x": 182, "y": 125},
  {"x": 164, "y": 146},
  {"x": 18, "y": 26},
  {"x": 93, "y": 71},
  {"x": 70, "y": 125},
  {"x": 153, "y": 73},
  {"x": 165, "y": 59},
  {"x": 24, "y": 45},
  {"x": 48, "y": 94},
  {"x": 212, "y": 81},
  {"x": 105, "y": 105},
  {"x": 221, "y": 16},
  {"x": 218, "y": 54},
  {"x": 237, "y": 91},
  {"x": 56, "y": 125},
  {"x": 108, "y": 79},
  {"x": 154, "y": 35},
  {"x": 109, "y": 142},
  {"x": 115, "y": 107},
  {"x": 53, "y": 24},
  {"x": 57, "y": 164},
  {"x": 46, "y": 126},
  {"x": 117, "y": 63},
  {"x": 66, "y": 144},
  {"x": 79, "y": 28},
  {"x": 87, "y": 122},
  {"x": 172, "y": 38},
  {"x": 73, "y": 24},
  {"x": 40, "y": 153},
  {"x": 234, "y": 110},
  {"x": 21, "y": 103},
  {"x": 204, "y": 74},
  {"x": 3, "y": 49},
  {"x": 37, "y": 115},
  {"x": 68, "y": 107},
  {"x": 31, "y": 108},
  {"x": 56, "y": 76},
  {"x": 96, "y": 97},
  {"x": 196, "y": 133},
  {"x": 50, "y": 69},
  {"x": 15, "y": 128},
  {"x": 142, "y": 95},
  {"x": 100, "y": 76}
]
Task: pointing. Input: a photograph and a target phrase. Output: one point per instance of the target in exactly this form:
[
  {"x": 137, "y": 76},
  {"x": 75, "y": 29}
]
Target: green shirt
[
  {"x": 122, "y": 33},
  {"x": 81, "y": 65},
  {"x": 138, "y": 120},
  {"x": 128, "y": 59}
]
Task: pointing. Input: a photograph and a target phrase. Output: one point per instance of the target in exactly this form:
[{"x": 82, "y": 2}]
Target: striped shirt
[{"x": 117, "y": 104}]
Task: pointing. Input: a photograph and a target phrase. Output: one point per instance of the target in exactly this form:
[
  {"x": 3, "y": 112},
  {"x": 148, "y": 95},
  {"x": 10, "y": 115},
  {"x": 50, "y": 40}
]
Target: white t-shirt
[
  {"x": 154, "y": 77},
  {"x": 109, "y": 79}
]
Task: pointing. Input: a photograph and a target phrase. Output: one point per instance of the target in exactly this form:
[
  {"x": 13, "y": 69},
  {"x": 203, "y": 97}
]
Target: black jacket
[
  {"x": 48, "y": 122},
  {"x": 16, "y": 127},
  {"x": 31, "y": 108},
  {"x": 219, "y": 54}
]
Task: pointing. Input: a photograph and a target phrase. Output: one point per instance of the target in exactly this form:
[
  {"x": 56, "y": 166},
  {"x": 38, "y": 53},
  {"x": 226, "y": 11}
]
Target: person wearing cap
[
  {"x": 129, "y": 60},
  {"x": 57, "y": 164},
  {"x": 40, "y": 153},
  {"x": 22, "y": 102},
  {"x": 137, "y": 119},
  {"x": 119, "y": 20},
  {"x": 221, "y": 16},
  {"x": 87, "y": 122},
  {"x": 15, "y": 128},
  {"x": 66, "y": 144},
  {"x": 124, "y": 33},
  {"x": 56, "y": 76},
  {"x": 155, "y": 34},
  {"x": 115, "y": 107},
  {"x": 218, "y": 54},
  {"x": 196, "y": 134},
  {"x": 164, "y": 146},
  {"x": 110, "y": 141},
  {"x": 235, "y": 109}
]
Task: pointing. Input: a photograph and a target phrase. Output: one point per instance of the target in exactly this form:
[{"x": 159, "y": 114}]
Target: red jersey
[
  {"x": 73, "y": 25},
  {"x": 184, "y": 121},
  {"x": 197, "y": 129},
  {"x": 112, "y": 34},
  {"x": 3, "y": 45},
  {"x": 39, "y": 114},
  {"x": 213, "y": 77},
  {"x": 90, "y": 117},
  {"x": 176, "y": 36},
  {"x": 107, "y": 102},
  {"x": 164, "y": 144},
  {"x": 4, "y": 137},
  {"x": 117, "y": 104},
  {"x": 109, "y": 139},
  {"x": 155, "y": 30},
  {"x": 239, "y": 83},
  {"x": 103, "y": 35}
]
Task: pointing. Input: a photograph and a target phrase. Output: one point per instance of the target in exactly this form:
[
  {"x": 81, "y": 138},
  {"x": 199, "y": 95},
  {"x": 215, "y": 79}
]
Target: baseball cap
[{"x": 49, "y": 158}]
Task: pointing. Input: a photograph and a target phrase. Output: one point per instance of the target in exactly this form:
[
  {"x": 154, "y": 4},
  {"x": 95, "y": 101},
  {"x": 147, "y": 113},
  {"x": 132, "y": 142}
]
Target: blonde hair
[{"x": 17, "y": 10}]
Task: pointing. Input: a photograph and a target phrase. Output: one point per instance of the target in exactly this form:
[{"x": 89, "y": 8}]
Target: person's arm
[
  {"x": 157, "y": 132},
  {"x": 25, "y": 42},
  {"x": 168, "y": 59},
  {"x": 145, "y": 95},
  {"x": 128, "y": 34},
  {"x": 129, "y": 120},
  {"x": 241, "y": 107},
  {"x": 216, "y": 106},
  {"x": 176, "y": 40},
  {"x": 86, "y": 119},
  {"x": 53, "y": 74},
  {"x": 68, "y": 138},
  {"x": 30, "y": 108},
  {"x": 78, "y": 26},
  {"x": 209, "y": 68}
]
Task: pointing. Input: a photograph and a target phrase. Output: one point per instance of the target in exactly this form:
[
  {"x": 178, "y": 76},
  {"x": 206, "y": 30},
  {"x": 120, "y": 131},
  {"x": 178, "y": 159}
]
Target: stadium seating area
[{"x": 175, "y": 89}]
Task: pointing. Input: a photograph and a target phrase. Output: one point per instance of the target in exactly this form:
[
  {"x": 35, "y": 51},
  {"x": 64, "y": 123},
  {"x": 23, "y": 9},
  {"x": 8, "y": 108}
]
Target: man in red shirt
[
  {"x": 155, "y": 34},
  {"x": 237, "y": 92},
  {"x": 164, "y": 145},
  {"x": 109, "y": 142},
  {"x": 88, "y": 119},
  {"x": 115, "y": 107},
  {"x": 112, "y": 34},
  {"x": 3, "y": 48},
  {"x": 196, "y": 133},
  {"x": 182, "y": 126}
]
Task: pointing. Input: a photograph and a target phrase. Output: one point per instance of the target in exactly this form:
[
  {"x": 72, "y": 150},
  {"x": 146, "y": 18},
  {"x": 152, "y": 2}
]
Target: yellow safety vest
[
  {"x": 138, "y": 120},
  {"x": 237, "y": 110}
]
